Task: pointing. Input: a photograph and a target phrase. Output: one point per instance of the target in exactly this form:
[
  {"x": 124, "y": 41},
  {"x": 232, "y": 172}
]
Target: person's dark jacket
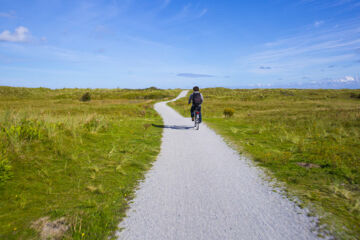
[{"x": 191, "y": 97}]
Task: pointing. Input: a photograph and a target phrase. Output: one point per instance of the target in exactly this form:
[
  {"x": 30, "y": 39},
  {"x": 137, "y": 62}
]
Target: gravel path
[{"x": 199, "y": 188}]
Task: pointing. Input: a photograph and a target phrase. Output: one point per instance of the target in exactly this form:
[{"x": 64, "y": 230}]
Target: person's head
[{"x": 196, "y": 89}]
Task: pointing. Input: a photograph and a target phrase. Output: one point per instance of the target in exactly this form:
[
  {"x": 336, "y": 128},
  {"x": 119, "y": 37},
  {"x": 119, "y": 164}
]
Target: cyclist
[{"x": 196, "y": 98}]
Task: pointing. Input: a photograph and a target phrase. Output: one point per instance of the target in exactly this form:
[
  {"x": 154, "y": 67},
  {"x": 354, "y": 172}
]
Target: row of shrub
[
  {"x": 293, "y": 94},
  {"x": 355, "y": 95},
  {"x": 12, "y": 93}
]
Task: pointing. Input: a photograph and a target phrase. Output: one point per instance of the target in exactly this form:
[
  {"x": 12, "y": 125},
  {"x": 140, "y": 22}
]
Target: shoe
[{"x": 192, "y": 119}]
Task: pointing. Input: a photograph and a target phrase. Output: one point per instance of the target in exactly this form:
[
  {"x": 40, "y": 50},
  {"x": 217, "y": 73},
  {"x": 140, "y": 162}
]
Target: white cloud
[
  {"x": 342, "y": 82},
  {"x": 318, "y": 23},
  {"x": 188, "y": 13},
  {"x": 346, "y": 79},
  {"x": 21, "y": 34},
  {"x": 261, "y": 85}
]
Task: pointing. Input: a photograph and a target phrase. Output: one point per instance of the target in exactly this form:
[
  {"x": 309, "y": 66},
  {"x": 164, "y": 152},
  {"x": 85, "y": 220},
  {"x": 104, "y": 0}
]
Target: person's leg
[
  {"x": 192, "y": 111},
  {"x": 200, "y": 113}
]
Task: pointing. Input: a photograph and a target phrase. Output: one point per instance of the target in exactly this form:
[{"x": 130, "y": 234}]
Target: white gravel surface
[{"x": 200, "y": 188}]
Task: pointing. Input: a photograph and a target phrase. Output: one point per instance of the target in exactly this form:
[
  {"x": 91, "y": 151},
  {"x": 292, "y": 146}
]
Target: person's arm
[
  {"x": 202, "y": 98},
  {"x": 190, "y": 99}
]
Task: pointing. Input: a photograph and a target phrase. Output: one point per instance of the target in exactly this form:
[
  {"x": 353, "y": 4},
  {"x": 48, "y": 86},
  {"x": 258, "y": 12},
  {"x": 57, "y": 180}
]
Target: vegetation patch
[
  {"x": 309, "y": 139},
  {"x": 64, "y": 159},
  {"x": 85, "y": 97},
  {"x": 228, "y": 112},
  {"x": 51, "y": 230},
  {"x": 5, "y": 169}
]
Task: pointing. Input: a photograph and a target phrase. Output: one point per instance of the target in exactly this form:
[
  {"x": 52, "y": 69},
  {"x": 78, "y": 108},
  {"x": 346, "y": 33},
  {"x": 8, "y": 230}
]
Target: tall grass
[
  {"x": 60, "y": 157},
  {"x": 76, "y": 93},
  {"x": 280, "y": 128}
]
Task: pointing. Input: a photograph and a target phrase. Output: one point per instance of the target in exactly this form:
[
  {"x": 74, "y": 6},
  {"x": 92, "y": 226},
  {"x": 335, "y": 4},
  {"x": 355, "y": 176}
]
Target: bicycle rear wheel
[{"x": 197, "y": 121}]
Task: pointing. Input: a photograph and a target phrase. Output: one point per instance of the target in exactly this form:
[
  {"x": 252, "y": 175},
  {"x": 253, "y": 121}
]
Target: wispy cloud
[
  {"x": 260, "y": 85},
  {"x": 308, "y": 49},
  {"x": 203, "y": 12},
  {"x": 93, "y": 13},
  {"x": 20, "y": 34},
  {"x": 74, "y": 56},
  {"x": 100, "y": 50},
  {"x": 189, "y": 12},
  {"x": 318, "y": 23},
  {"x": 331, "y": 3},
  {"x": 141, "y": 40},
  {"x": 194, "y": 75},
  {"x": 10, "y": 14},
  {"x": 264, "y": 68},
  {"x": 349, "y": 81},
  {"x": 166, "y": 3}
]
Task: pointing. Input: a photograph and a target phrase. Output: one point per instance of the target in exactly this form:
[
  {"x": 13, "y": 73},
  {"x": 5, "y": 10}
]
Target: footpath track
[{"x": 200, "y": 188}]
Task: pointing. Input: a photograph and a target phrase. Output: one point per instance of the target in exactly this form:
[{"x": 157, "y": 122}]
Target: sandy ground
[{"x": 200, "y": 188}]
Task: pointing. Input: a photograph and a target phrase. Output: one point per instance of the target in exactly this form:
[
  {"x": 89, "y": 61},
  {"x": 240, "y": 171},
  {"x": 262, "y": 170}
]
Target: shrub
[
  {"x": 286, "y": 93},
  {"x": 354, "y": 95},
  {"x": 26, "y": 130},
  {"x": 86, "y": 97},
  {"x": 229, "y": 112}
]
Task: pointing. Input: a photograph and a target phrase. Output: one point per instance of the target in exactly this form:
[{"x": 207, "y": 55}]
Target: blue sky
[{"x": 172, "y": 43}]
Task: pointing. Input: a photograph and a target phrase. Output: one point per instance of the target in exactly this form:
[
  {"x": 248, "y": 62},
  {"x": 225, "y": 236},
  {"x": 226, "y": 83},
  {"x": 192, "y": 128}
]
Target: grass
[
  {"x": 60, "y": 157},
  {"x": 280, "y": 128}
]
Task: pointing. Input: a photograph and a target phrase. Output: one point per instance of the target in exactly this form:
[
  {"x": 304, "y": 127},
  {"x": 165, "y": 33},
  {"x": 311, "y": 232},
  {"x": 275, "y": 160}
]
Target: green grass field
[
  {"x": 61, "y": 157},
  {"x": 282, "y": 129}
]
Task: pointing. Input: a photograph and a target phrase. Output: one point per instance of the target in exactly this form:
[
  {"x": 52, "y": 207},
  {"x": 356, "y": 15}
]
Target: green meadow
[
  {"x": 309, "y": 140},
  {"x": 82, "y": 160}
]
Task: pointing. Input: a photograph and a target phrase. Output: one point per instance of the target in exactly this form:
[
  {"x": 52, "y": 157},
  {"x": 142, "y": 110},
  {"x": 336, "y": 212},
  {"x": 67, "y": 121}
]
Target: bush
[
  {"x": 229, "y": 112},
  {"x": 25, "y": 130},
  {"x": 354, "y": 95},
  {"x": 86, "y": 97}
]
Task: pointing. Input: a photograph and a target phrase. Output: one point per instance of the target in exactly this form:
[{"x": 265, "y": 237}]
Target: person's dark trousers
[{"x": 193, "y": 113}]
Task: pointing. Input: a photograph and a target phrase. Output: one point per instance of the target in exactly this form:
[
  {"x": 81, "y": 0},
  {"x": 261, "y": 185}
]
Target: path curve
[{"x": 199, "y": 188}]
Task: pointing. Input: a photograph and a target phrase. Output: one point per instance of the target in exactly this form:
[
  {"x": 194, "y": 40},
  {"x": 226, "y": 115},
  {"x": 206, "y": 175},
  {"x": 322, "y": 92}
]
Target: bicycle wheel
[{"x": 197, "y": 121}]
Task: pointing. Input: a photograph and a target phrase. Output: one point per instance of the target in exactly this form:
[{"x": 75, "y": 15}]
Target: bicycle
[{"x": 197, "y": 118}]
